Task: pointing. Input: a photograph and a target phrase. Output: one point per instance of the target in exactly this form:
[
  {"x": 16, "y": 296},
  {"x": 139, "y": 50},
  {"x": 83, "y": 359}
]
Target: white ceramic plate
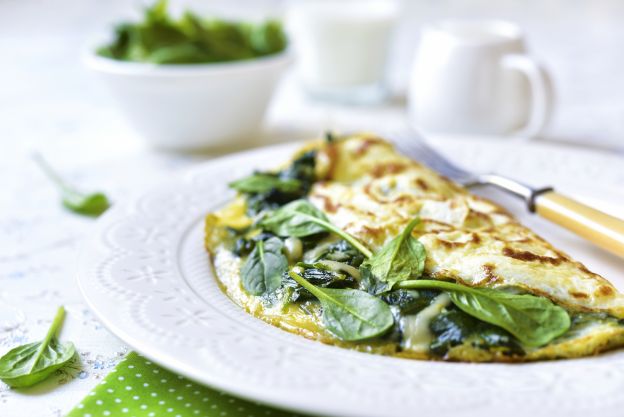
[{"x": 147, "y": 277}]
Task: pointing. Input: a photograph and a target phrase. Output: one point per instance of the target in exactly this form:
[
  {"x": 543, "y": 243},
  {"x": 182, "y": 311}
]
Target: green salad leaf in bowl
[{"x": 190, "y": 39}]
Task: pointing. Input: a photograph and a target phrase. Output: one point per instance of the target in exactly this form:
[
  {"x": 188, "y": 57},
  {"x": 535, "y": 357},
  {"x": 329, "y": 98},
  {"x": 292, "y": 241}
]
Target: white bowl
[{"x": 193, "y": 106}]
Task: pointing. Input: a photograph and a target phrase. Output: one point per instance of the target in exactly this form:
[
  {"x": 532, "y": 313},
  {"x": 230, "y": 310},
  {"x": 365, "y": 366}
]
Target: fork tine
[
  {"x": 414, "y": 146},
  {"x": 426, "y": 153}
]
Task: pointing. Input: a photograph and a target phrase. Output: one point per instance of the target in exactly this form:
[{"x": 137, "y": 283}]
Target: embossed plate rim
[{"x": 100, "y": 255}]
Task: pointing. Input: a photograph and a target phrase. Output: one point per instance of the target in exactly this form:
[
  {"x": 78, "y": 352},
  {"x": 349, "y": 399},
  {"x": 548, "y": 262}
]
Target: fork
[{"x": 600, "y": 228}]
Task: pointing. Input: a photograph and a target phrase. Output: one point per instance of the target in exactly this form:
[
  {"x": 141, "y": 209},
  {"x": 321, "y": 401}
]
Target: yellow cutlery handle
[{"x": 602, "y": 229}]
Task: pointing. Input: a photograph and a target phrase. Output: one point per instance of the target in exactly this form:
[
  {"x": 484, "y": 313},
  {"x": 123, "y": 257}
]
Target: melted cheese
[{"x": 416, "y": 334}]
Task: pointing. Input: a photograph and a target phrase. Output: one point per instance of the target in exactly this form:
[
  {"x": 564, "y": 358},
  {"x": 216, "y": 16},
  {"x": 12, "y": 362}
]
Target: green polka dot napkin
[{"x": 139, "y": 388}]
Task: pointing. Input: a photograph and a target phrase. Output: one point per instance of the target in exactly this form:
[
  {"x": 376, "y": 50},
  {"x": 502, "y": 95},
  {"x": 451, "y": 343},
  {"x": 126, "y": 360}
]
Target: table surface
[{"x": 51, "y": 104}]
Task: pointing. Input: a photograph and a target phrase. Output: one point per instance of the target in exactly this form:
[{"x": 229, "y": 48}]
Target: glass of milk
[{"x": 342, "y": 47}]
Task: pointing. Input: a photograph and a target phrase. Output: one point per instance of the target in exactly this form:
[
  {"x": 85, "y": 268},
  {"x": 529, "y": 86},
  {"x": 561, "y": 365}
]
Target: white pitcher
[{"x": 476, "y": 77}]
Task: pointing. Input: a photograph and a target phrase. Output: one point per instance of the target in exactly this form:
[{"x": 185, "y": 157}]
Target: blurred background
[{"x": 48, "y": 99}]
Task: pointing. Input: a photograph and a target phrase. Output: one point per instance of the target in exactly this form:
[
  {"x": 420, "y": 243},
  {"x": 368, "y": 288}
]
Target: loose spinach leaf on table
[
  {"x": 400, "y": 259},
  {"x": 91, "y": 205},
  {"x": 262, "y": 183},
  {"x": 87, "y": 204},
  {"x": 263, "y": 269},
  {"x": 533, "y": 320},
  {"x": 300, "y": 218},
  {"x": 349, "y": 314},
  {"x": 29, "y": 364}
]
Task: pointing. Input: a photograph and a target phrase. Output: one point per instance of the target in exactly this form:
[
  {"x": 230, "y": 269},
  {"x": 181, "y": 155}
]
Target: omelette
[{"x": 355, "y": 245}]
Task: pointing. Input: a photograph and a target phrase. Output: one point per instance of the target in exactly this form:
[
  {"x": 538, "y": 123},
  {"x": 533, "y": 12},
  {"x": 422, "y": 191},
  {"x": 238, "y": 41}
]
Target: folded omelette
[{"x": 355, "y": 245}]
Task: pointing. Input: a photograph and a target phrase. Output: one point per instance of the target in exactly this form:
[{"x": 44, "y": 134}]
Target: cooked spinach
[
  {"x": 313, "y": 241},
  {"x": 301, "y": 170},
  {"x": 581, "y": 321},
  {"x": 409, "y": 301},
  {"x": 161, "y": 39},
  {"x": 263, "y": 183},
  {"x": 533, "y": 320},
  {"x": 31, "y": 363},
  {"x": 263, "y": 269},
  {"x": 87, "y": 204},
  {"x": 454, "y": 327},
  {"x": 404, "y": 302},
  {"x": 400, "y": 259},
  {"x": 243, "y": 246},
  {"x": 300, "y": 218},
  {"x": 319, "y": 275},
  {"x": 350, "y": 314},
  {"x": 341, "y": 251}
]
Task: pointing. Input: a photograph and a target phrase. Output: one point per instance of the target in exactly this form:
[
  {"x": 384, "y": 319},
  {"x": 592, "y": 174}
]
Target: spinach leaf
[
  {"x": 398, "y": 260},
  {"x": 300, "y": 218},
  {"x": 302, "y": 170},
  {"x": 159, "y": 38},
  {"x": 533, "y": 320},
  {"x": 243, "y": 246},
  {"x": 340, "y": 251},
  {"x": 220, "y": 40},
  {"x": 92, "y": 204},
  {"x": 29, "y": 364},
  {"x": 454, "y": 327},
  {"x": 262, "y": 183},
  {"x": 319, "y": 275},
  {"x": 409, "y": 301},
  {"x": 263, "y": 269},
  {"x": 350, "y": 314},
  {"x": 267, "y": 38},
  {"x": 404, "y": 302},
  {"x": 370, "y": 282}
]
